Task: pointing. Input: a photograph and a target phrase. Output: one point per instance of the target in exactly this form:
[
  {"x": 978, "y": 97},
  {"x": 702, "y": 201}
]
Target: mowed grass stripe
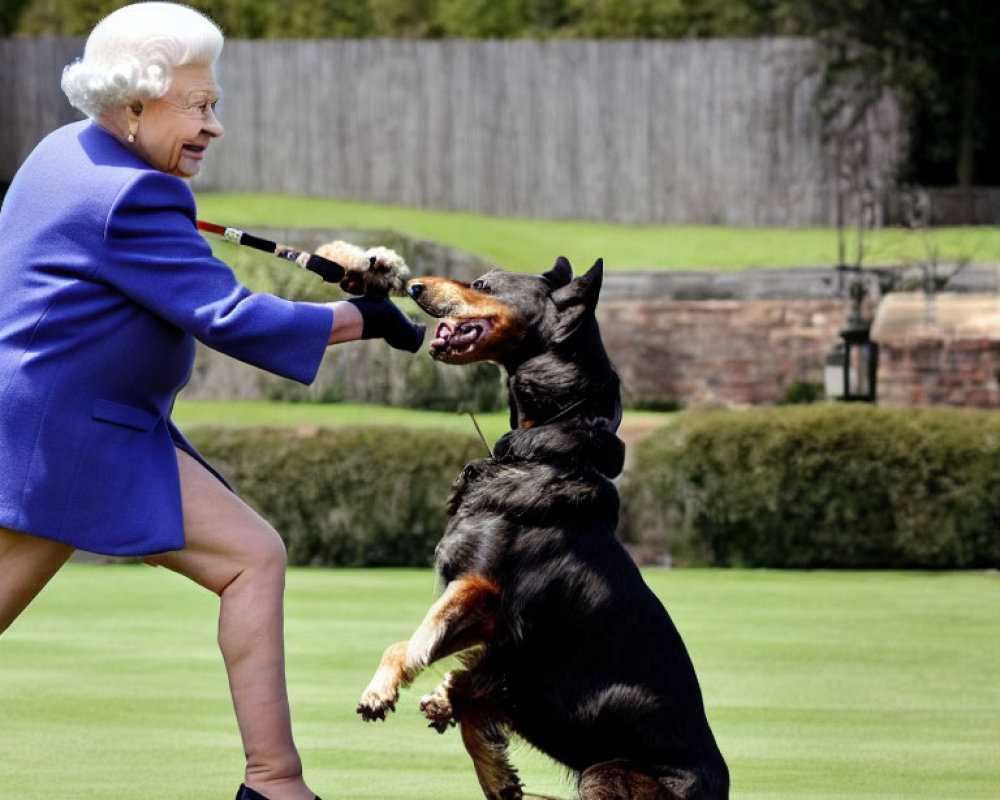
[{"x": 819, "y": 685}]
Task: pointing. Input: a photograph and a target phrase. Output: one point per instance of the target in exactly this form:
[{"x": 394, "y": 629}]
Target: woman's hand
[{"x": 381, "y": 319}]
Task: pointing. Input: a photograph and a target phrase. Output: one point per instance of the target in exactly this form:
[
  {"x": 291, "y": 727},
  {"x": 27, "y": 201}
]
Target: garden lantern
[
  {"x": 860, "y": 362},
  {"x": 851, "y": 366}
]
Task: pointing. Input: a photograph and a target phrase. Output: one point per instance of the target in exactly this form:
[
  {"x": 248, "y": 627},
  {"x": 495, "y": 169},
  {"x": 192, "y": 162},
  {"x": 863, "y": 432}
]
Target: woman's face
[{"x": 174, "y": 131}]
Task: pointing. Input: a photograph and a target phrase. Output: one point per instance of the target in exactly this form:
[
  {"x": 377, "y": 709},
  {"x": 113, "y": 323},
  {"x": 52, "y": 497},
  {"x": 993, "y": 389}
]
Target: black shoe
[{"x": 246, "y": 793}]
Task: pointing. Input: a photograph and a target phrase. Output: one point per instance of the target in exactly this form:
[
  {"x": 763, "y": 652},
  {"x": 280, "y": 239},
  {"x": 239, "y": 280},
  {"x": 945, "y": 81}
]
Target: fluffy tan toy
[{"x": 375, "y": 272}]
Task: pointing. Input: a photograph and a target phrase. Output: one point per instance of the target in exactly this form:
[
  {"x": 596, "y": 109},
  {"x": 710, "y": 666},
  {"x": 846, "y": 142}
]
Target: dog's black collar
[{"x": 611, "y": 424}]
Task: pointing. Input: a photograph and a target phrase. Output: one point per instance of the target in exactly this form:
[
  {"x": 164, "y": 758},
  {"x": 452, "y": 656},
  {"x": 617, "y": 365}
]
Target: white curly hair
[{"x": 133, "y": 51}]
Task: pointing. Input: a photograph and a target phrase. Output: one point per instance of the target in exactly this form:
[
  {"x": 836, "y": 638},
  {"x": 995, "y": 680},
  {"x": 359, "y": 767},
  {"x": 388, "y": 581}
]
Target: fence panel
[{"x": 708, "y": 131}]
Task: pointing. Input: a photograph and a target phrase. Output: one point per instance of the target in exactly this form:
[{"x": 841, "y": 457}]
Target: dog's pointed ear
[
  {"x": 584, "y": 290},
  {"x": 577, "y": 300},
  {"x": 560, "y": 274}
]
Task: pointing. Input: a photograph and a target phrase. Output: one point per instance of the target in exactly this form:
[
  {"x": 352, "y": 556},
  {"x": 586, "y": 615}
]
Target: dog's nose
[{"x": 414, "y": 289}]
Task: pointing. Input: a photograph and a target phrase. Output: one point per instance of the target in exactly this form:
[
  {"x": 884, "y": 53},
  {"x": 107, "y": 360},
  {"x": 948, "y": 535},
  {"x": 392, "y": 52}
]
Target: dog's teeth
[{"x": 442, "y": 336}]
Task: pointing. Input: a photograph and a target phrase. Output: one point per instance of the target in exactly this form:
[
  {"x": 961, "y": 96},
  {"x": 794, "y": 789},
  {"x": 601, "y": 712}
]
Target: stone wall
[
  {"x": 718, "y": 352},
  {"x": 936, "y": 372},
  {"x": 684, "y": 353},
  {"x": 942, "y": 349},
  {"x": 690, "y": 339},
  {"x": 743, "y": 338}
]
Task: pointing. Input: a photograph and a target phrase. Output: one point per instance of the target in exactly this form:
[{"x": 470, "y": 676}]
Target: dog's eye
[{"x": 480, "y": 285}]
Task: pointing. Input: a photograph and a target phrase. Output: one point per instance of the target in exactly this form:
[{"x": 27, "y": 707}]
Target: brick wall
[
  {"x": 694, "y": 340},
  {"x": 701, "y": 339},
  {"x": 719, "y": 352},
  {"x": 935, "y": 372},
  {"x": 939, "y": 350}
]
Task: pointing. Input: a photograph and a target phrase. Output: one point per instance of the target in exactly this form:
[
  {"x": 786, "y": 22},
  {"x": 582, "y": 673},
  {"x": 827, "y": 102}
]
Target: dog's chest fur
[{"x": 543, "y": 487}]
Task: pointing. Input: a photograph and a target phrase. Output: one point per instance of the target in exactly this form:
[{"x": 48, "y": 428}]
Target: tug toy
[{"x": 375, "y": 272}]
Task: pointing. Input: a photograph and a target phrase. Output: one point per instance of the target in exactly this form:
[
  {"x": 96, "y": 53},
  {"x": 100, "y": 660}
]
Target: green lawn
[
  {"x": 820, "y": 686},
  {"x": 534, "y": 244},
  {"x": 189, "y": 413}
]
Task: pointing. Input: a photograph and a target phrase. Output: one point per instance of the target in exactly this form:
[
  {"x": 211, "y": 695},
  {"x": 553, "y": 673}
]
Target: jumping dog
[{"x": 561, "y": 640}]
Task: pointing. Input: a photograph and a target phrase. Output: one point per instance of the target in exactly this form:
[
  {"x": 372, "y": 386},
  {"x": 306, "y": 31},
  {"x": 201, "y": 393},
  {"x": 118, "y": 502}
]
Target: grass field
[
  {"x": 533, "y": 244},
  {"x": 820, "y": 686},
  {"x": 189, "y": 413}
]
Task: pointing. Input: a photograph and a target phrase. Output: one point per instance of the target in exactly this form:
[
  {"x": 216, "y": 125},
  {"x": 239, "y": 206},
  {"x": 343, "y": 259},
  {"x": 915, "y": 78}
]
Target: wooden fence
[{"x": 709, "y": 131}]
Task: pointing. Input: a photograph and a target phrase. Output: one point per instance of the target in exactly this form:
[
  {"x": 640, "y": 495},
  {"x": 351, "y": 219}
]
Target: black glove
[{"x": 382, "y": 320}]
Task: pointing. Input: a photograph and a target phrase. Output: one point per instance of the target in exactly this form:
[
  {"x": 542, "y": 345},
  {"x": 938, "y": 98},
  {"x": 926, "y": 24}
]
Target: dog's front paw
[
  {"x": 436, "y": 707},
  {"x": 377, "y": 701}
]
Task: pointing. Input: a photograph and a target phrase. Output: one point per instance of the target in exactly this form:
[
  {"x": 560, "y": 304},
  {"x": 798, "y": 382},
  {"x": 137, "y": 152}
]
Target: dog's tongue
[
  {"x": 455, "y": 335},
  {"x": 465, "y": 334}
]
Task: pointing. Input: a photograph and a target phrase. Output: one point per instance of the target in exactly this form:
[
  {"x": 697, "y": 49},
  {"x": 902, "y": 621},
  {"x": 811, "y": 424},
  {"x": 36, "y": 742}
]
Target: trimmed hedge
[
  {"x": 344, "y": 497},
  {"x": 820, "y": 486},
  {"x": 802, "y": 487}
]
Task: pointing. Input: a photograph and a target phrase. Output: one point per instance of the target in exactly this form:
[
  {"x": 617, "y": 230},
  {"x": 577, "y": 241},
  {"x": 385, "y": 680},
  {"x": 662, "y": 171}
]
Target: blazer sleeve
[{"x": 154, "y": 255}]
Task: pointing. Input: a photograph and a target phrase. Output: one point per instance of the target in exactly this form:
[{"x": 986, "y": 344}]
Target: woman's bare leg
[
  {"x": 230, "y": 550},
  {"x": 26, "y": 565}
]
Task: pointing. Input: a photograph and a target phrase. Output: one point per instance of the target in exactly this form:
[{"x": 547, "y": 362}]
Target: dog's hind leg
[
  {"x": 464, "y": 615},
  {"x": 486, "y": 742},
  {"x": 437, "y": 706},
  {"x": 466, "y": 697},
  {"x": 625, "y": 780}
]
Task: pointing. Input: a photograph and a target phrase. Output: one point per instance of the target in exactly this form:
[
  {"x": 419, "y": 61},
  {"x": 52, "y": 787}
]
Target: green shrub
[
  {"x": 820, "y": 486},
  {"x": 344, "y": 497},
  {"x": 802, "y": 392}
]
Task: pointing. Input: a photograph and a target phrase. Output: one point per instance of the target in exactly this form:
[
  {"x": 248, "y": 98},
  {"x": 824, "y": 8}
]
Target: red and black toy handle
[{"x": 329, "y": 271}]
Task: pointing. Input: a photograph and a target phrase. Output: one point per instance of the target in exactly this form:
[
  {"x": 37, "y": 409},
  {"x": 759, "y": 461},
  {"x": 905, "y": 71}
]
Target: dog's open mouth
[{"x": 457, "y": 337}]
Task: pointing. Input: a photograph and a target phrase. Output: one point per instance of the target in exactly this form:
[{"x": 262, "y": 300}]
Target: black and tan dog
[{"x": 561, "y": 640}]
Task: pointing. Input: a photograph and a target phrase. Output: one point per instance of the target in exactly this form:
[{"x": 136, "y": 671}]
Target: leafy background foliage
[{"x": 820, "y": 486}]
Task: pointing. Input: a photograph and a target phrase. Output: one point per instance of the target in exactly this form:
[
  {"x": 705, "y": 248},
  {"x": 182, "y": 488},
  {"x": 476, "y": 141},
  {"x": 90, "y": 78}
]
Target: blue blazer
[{"x": 105, "y": 283}]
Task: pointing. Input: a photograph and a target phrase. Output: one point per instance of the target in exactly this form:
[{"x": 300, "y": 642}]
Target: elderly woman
[{"x": 106, "y": 285}]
